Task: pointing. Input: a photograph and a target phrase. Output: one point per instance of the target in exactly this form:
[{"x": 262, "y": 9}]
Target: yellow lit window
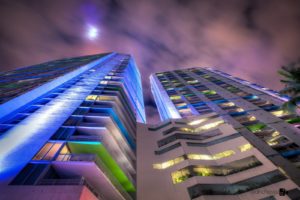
[
  {"x": 276, "y": 133},
  {"x": 252, "y": 118},
  {"x": 187, "y": 130},
  {"x": 279, "y": 113},
  {"x": 245, "y": 147},
  {"x": 210, "y": 125},
  {"x": 91, "y": 97},
  {"x": 227, "y": 104},
  {"x": 104, "y": 98},
  {"x": 196, "y": 122},
  {"x": 180, "y": 176},
  {"x": 178, "y": 160},
  {"x": 276, "y": 140},
  {"x": 175, "y": 97},
  {"x": 203, "y": 171},
  {"x": 223, "y": 154},
  {"x": 168, "y": 163},
  {"x": 199, "y": 157},
  {"x": 240, "y": 109}
]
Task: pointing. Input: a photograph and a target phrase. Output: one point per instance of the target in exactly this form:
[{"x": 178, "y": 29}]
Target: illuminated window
[
  {"x": 223, "y": 154},
  {"x": 48, "y": 151},
  {"x": 175, "y": 97},
  {"x": 209, "y": 126},
  {"x": 245, "y": 147},
  {"x": 192, "y": 82},
  {"x": 196, "y": 122},
  {"x": 209, "y": 92},
  {"x": 168, "y": 163},
  {"x": 180, "y": 104},
  {"x": 279, "y": 113},
  {"x": 103, "y": 82},
  {"x": 91, "y": 97},
  {"x": 240, "y": 110},
  {"x": 203, "y": 171},
  {"x": 187, "y": 130},
  {"x": 220, "y": 170},
  {"x": 278, "y": 140},
  {"x": 104, "y": 98},
  {"x": 256, "y": 127},
  {"x": 252, "y": 118},
  {"x": 276, "y": 133},
  {"x": 227, "y": 104},
  {"x": 180, "y": 175},
  {"x": 199, "y": 157},
  {"x": 185, "y": 110}
]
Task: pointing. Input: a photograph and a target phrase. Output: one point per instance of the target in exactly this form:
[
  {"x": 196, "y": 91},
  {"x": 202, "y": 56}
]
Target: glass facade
[
  {"x": 76, "y": 127},
  {"x": 248, "y": 106}
]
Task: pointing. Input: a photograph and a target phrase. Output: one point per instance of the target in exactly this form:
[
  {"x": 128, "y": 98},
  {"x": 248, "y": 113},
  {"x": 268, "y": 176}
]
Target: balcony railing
[
  {"x": 70, "y": 181},
  {"x": 102, "y": 166},
  {"x": 86, "y": 138}
]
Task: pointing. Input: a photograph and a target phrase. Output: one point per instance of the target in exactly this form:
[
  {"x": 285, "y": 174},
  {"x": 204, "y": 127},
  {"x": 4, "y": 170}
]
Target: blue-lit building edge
[
  {"x": 166, "y": 108},
  {"x": 255, "y": 86},
  {"x": 133, "y": 85},
  {"x": 12, "y": 162},
  {"x": 14, "y": 105}
]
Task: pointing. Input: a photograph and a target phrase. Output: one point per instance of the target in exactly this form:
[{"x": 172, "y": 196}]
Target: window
[
  {"x": 168, "y": 163},
  {"x": 238, "y": 187},
  {"x": 256, "y": 127},
  {"x": 48, "y": 151},
  {"x": 209, "y": 126},
  {"x": 91, "y": 98},
  {"x": 196, "y": 122},
  {"x": 180, "y": 176},
  {"x": 175, "y": 97},
  {"x": 245, "y": 147}
]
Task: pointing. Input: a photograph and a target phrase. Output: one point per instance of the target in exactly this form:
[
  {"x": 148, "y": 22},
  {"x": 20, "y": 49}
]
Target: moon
[{"x": 92, "y": 32}]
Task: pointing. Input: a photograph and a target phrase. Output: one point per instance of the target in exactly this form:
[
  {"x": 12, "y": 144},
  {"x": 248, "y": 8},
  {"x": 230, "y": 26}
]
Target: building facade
[
  {"x": 252, "y": 111},
  {"x": 68, "y": 129},
  {"x": 205, "y": 158}
]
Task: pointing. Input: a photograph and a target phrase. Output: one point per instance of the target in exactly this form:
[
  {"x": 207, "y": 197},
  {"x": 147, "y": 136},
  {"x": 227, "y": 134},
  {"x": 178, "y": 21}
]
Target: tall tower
[
  {"x": 190, "y": 150},
  {"x": 68, "y": 129}
]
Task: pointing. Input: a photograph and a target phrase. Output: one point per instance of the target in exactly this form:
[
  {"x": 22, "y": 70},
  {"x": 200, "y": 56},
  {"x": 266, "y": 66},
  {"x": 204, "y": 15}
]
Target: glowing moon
[{"x": 92, "y": 32}]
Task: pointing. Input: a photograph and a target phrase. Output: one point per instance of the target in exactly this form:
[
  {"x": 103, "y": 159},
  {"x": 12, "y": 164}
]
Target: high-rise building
[
  {"x": 68, "y": 129},
  {"x": 221, "y": 138}
]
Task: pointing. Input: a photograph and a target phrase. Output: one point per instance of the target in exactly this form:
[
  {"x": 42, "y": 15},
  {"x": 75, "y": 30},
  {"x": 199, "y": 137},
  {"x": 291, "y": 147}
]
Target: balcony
[
  {"x": 246, "y": 120},
  {"x": 95, "y": 171},
  {"x": 295, "y": 120},
  {"x": 70, "y": 181},
  {"x": 279, "y": 142}
]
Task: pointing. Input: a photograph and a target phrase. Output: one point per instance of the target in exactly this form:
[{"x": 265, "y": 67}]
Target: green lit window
[
  {"x": 256, "y": 127},
  {"x": 209, "y": 92}
]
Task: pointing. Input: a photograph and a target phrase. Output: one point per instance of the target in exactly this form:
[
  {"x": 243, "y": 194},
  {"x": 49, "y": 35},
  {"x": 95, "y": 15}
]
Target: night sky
[{"x": 249, "y": 39}]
